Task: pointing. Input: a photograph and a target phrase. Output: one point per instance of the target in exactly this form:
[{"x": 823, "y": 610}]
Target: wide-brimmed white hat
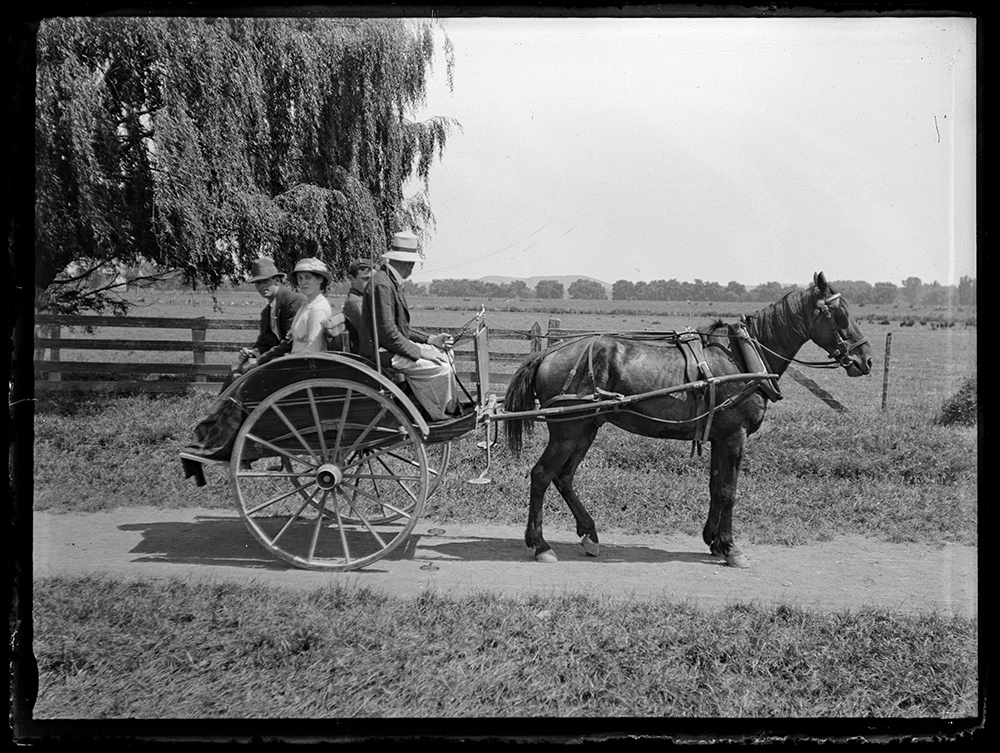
[
  {"x": 314, "y": 265},
  {"x": 403, "y": 247}
]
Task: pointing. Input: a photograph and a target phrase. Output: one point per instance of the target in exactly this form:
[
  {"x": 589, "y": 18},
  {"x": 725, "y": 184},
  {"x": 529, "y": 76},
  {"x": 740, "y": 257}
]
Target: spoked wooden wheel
[
  {"x": 322, "y": 447},
  {"x": 370, "y": 484}
]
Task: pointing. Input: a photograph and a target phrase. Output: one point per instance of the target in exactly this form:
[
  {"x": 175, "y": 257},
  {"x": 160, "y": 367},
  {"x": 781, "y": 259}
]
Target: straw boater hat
[
  {"x": 314, "y": 265},
  {"x": 264, "y": 269},
  {"x": 404, "y": 247}
]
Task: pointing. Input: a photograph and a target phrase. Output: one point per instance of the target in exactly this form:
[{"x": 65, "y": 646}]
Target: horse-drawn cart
[
  {"x": 345, "y": 460},
  {"x": 330, "y": 460}
]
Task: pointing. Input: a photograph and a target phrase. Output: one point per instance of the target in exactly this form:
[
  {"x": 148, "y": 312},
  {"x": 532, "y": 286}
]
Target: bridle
[{"x": 841, "y": 354}]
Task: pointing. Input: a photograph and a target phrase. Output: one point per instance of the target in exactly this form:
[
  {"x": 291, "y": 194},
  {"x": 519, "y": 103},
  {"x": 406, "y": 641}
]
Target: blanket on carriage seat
[{"x": 215, "y": 435}]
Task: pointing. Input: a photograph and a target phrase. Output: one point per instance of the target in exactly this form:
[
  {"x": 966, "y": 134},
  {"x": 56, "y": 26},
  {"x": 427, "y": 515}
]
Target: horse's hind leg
[
  {"x": 727, "y": 453},
  {"x": 563, "y": 481},
  {"x": 555, "y": 456}
]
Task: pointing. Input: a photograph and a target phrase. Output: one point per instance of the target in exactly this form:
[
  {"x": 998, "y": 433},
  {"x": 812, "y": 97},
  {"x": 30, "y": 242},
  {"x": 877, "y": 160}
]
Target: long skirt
[{"x": 433, "y": 384}]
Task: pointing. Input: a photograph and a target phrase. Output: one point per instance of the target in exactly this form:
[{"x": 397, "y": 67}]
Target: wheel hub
[{"x": 329, "y": 476}]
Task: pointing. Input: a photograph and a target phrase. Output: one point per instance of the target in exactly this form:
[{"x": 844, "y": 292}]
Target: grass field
[{"x": 112, "y": 650}]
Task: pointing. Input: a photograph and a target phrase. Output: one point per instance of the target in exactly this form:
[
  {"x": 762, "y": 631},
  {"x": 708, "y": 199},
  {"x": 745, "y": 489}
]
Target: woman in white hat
[
  {"x": 308, "y": 332},
  {"x": 421, "y": 358}
]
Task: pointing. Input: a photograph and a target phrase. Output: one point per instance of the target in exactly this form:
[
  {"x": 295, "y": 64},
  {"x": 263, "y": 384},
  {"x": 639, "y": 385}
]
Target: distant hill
[{"x": 531, "y": 282}]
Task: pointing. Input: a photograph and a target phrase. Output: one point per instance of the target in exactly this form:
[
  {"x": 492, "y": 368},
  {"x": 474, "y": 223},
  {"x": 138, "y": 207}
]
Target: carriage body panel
[{"x": 215, "y": 435}]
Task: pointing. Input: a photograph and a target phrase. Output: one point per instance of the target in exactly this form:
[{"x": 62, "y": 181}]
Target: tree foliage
[
  {"x": 549, "y": 289},
  {"x": 465, "y": 288},
  {"x": 195, "y": 145},
  {"x": 912, "y": 287},
  {"x": 966, "y": 291},
  {"x": 584, "y": 289}
]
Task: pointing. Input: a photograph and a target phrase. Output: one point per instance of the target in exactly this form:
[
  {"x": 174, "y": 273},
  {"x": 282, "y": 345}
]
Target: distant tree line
[{"x": 911, "y": 291}]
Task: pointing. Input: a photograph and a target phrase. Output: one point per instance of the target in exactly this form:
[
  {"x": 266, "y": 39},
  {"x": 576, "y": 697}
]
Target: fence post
[
  {"x": 536, "y": 338},
  {"x": 198, "y": 329},
  {"x": 55, "y": 333},
  {"x": 885, "y": 370},
  {"x": 553, "y": 324}
]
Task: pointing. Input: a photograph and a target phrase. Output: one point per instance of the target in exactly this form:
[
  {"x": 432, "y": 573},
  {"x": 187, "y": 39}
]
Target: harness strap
[
  {"x": 572, "y": 372},
  {"x": 754, "y": 360},
  {"x": 691, "y": 346}
]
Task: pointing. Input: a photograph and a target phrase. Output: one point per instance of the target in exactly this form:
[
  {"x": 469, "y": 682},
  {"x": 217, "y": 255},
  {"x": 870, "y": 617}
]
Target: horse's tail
[{"x": 520, "y": 396}]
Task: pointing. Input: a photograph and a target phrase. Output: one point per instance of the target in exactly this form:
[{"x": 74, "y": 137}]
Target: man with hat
[
  {"x": 275, "y": 318},
  {"x": 386, "y": 334},
  {"x": 360, "y": 272}
]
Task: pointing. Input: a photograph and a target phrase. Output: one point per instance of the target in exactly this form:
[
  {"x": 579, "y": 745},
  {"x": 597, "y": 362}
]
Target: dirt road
[{"x": 212, "y": 545}]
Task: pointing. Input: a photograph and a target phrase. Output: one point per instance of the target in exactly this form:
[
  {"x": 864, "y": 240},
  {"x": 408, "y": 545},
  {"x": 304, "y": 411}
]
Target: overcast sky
[{"x": 716, "y": 149}]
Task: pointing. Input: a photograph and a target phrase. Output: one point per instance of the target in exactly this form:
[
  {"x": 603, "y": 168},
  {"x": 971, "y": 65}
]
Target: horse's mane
[{"x": 783, "y": 321}]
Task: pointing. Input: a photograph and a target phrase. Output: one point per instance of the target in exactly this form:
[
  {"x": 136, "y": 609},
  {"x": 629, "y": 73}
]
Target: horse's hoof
[
  {"x": 590, "y": 546},
  {"x": 547, "y": 556},
  {"x": 736, "y": 559}
]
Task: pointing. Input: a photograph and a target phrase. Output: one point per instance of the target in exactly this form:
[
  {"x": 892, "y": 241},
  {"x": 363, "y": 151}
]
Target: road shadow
[
  {"x": 514, "y": 550},
  {"x": 208, "y": 540},
  {"x": 225, "y": 541}
]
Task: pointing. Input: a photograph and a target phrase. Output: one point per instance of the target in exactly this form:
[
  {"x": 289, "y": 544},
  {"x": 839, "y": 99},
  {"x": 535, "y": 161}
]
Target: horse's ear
[{"x": 820, "y": 281}]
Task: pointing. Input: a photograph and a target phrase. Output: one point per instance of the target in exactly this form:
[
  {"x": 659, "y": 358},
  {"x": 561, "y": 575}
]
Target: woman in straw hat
[
  {"x": 308, "y": 332},
  {"x": 421, "y": 358}
]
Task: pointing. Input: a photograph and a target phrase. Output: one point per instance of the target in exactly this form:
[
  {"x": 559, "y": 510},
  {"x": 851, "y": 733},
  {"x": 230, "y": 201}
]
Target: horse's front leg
[{"x": 727, "y": 453}]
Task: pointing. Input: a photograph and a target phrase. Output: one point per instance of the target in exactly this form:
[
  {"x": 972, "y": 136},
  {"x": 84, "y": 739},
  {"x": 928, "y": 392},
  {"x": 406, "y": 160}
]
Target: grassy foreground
[{"x": 113, "y": 649}]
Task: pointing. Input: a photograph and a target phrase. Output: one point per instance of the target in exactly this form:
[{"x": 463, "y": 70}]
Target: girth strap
[{"x": 696, "y": 368}]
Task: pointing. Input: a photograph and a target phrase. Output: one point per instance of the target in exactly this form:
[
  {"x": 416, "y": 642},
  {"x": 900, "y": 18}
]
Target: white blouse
[{"x": 308, "y": 333}]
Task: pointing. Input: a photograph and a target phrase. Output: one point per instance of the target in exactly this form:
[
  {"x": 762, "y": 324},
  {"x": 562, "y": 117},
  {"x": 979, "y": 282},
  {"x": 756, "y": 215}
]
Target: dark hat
[
  {"x": 358, "y": 266},
  {"x": 264, "y": 269}
]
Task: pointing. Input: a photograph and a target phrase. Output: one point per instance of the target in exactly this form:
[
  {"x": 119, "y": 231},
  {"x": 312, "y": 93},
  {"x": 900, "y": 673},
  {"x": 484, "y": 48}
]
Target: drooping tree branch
[{"x": 198, "y": 144}]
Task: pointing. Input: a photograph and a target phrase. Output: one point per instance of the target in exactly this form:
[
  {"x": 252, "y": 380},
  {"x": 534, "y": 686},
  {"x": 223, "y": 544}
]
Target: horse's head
[{"x": 834, "y": 329}]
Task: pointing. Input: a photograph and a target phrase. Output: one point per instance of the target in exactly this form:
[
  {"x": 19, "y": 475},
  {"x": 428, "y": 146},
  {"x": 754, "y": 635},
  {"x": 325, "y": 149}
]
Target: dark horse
[{"x": 624, "y": 365}]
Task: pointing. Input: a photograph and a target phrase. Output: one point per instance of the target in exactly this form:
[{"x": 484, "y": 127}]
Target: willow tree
[{"x": 189, "y": 147}]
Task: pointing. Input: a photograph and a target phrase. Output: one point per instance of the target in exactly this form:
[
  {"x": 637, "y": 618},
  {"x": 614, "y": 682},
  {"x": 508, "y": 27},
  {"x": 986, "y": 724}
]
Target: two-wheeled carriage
[{"x": 330, "y": 460}]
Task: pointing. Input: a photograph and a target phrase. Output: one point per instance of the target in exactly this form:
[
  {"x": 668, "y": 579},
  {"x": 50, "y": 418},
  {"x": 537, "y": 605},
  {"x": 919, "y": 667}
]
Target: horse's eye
[{"x": 840, "y": 315}]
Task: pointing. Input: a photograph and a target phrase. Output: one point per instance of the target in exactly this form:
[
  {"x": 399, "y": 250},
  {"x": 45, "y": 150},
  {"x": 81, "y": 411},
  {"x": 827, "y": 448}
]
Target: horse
[{"x": 634, "y": 364}]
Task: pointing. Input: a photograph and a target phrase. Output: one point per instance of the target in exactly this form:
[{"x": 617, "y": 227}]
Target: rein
[{"x": 463, "y": 331}]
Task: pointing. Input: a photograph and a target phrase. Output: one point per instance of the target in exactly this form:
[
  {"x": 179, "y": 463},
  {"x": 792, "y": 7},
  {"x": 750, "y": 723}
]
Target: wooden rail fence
[
  {"x": 191, "y": 336},
  {"x": 59, "y": 370}
]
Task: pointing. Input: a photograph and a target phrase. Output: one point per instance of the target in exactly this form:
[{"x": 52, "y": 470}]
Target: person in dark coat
[
  {"x": 275, "y": 318},
  {"x": 360, "y": 272},
  {"x": 422, "y": 359}
]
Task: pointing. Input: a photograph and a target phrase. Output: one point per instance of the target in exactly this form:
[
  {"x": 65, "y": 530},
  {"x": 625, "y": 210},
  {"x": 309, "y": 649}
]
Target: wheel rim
[{"x": 337, "y": 441}]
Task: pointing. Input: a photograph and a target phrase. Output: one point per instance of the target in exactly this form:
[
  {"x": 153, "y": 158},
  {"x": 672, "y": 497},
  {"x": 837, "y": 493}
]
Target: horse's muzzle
[{"x": 859, "y": 365}]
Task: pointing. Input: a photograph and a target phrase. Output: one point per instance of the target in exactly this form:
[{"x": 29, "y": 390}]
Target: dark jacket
[
  {"x": 352, "y": 314},
  {"x": 393, "y": 315},
  {"x": 289, "y": 302}
]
